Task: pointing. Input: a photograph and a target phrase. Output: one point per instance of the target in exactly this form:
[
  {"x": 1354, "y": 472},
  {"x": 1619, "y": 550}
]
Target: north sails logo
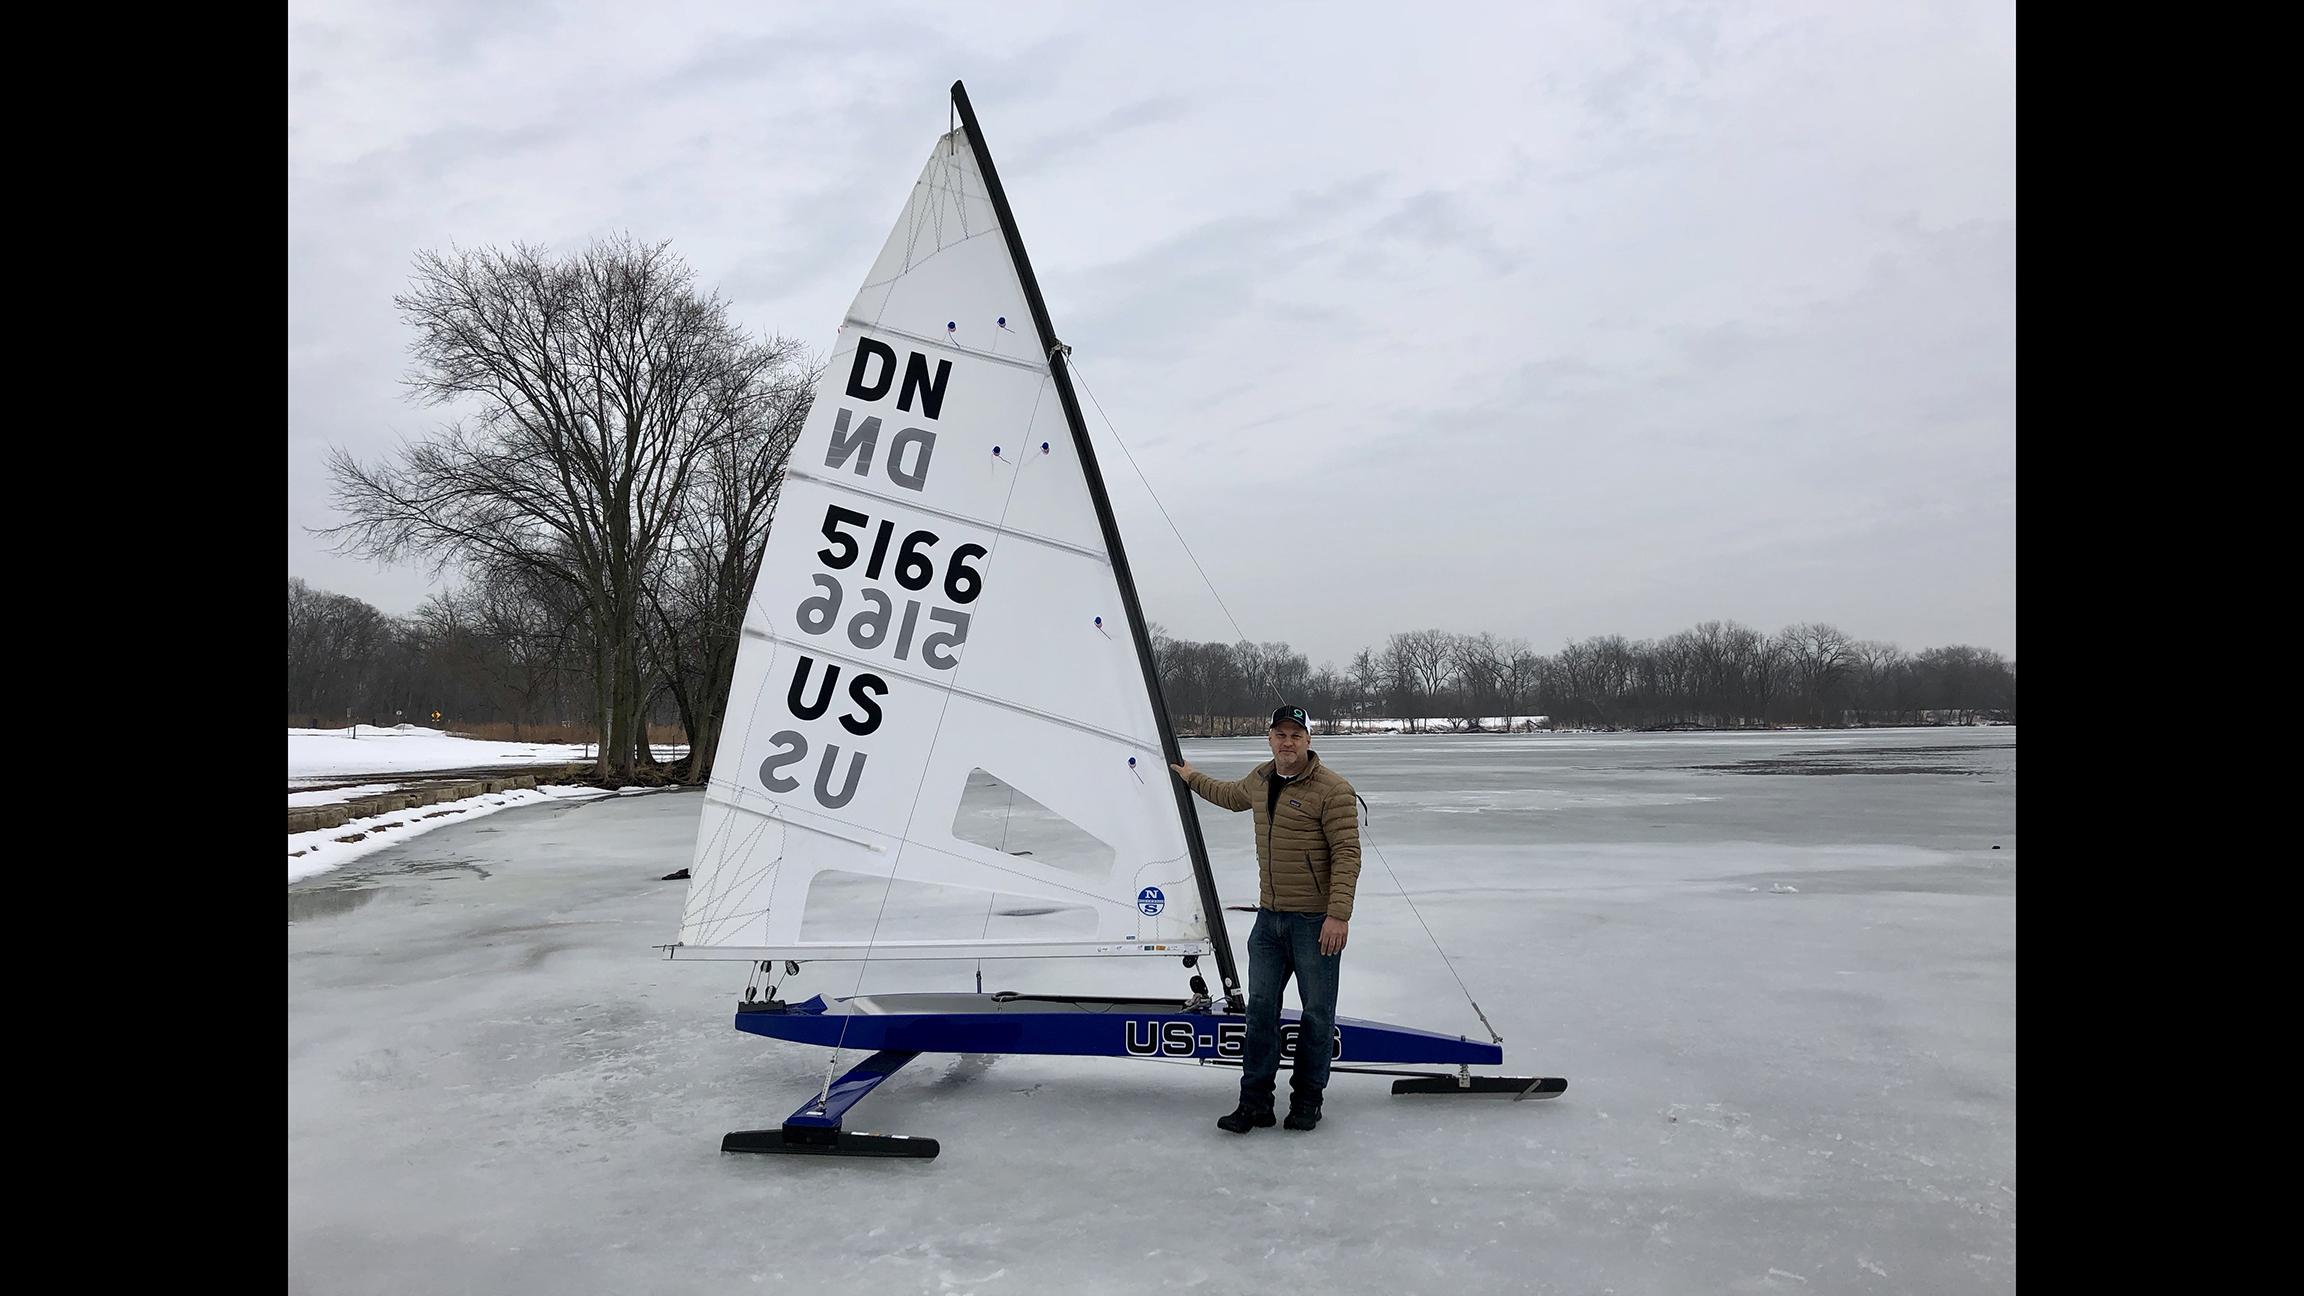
[{"x": 1150, "y": 902}]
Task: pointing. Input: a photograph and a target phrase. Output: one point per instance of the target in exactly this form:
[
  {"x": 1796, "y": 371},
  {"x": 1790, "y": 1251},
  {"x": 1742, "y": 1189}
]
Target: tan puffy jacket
[{"x": 1308, "y": 855}]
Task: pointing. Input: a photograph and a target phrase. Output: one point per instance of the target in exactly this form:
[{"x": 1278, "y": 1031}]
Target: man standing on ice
[{"x": 1307, "y": 864}]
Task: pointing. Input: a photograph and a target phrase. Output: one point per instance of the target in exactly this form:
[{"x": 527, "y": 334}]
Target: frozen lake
[{"x": 1778, "y": 970}]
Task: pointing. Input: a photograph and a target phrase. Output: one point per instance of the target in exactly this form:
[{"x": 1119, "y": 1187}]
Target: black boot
[
  {"x": 1247, "y": 1117},
  {"x": 1303, "y": 1115}
]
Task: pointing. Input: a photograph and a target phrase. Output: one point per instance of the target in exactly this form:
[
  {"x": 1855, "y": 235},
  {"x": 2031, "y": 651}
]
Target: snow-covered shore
[{"x": 329, "y": 756}]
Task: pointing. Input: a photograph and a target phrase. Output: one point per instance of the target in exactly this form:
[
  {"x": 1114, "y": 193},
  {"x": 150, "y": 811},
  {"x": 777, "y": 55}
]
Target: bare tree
[
  {"x": 1208, "y": 685},
  {"x": 1821, "y": 659},
  {"x": 1286, "y": 673},
  {"x": 1879, "y": 673},
  {"x": 1713, "y": 671},
  {"x": 700, "y": 588},
  {"x": 336, "y": 647},
  {"x": 1596, "y": 676},
  {"x": 593, "y": 385},
  {"x": 1962, "y": 679},
  {"x": 1416, "y": 663},
  {"x": 1367, "y": 681},
  {"x": 1168, "y": 662},
  {"x": 530, "y": 634},
  {"x": 1480, "y": 662},
  {"x": 1677, "y": 679},
  {"x": 1254, "y": 666},
  {"x": 538, "y": 626},
  {"x": 1328, "y": 696}
]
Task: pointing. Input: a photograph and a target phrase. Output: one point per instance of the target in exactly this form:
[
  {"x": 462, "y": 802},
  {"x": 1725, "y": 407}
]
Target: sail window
[{"x": 996, "y": 814}]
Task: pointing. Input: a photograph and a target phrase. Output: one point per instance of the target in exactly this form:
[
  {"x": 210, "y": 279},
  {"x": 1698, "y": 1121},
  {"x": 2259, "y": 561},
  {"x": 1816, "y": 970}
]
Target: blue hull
[{"x": 977, "y": 1023}]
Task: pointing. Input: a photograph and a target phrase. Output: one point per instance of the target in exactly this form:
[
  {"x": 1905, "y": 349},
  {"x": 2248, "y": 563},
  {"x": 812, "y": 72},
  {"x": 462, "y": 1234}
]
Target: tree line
[
  {"x": 512, "y": 650},
  {"x": 606, "y": 481},
  {"x": 1715, "y": 675}
]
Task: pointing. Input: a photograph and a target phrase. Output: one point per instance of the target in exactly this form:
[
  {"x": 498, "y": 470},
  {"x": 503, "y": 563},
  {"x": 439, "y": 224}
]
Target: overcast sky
[{"x": 1550, "y": 320}]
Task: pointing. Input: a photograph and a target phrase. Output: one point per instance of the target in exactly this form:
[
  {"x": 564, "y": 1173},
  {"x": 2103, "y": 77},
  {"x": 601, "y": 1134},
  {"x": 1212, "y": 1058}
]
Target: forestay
[{"x": 938, "y": 617}]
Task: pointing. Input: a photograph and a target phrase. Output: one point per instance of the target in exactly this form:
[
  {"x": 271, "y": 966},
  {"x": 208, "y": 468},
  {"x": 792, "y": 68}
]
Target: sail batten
[
  {"x": 999, "y": 530},
  {"x": 1130, "y": 741},
  {"x": 790, "y": 817},
  {"x": 940, "y": 344}
]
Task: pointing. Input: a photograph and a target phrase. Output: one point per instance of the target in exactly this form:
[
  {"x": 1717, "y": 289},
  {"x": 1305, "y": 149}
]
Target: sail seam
[
  {"x": 946, "y": 344},
  {"x": 1048, "y": 884},
  {"x": 962, "y": 518},
  {"x": 935, "y": 685},
  {"x": 911, "y": 265},
  {"x": 776, "y": 809}
]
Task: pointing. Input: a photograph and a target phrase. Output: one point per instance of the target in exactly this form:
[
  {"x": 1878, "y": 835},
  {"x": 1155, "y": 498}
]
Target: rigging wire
[
  {"x": 1445, "y": 961},
  {"x": 1402, "y": 891},
  {"x": 1124, "y": 451}
]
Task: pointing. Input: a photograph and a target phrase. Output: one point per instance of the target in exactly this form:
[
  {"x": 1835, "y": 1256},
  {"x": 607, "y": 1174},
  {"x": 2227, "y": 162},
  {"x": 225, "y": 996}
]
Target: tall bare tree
[
  {"x": 513, "y": 632},
  {"x": 1367, "y": 681},
  {"x": 1821, "y": 659},
  {"x": 1879, "y": 677},
  {"x": 1963, "y": 679},
  {"x": 699, "y": 590},
  {"x": 591, "y": 388},
  {"x": 335, "y": 646},
  {"x": 1419, "y": 662}
]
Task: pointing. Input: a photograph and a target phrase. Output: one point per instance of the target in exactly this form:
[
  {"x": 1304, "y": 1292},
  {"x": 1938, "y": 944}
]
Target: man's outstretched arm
[{"x": 1231, "y": 796}]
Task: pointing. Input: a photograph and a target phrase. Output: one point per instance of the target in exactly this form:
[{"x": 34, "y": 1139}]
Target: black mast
[{"x": 1226, "y": 970}]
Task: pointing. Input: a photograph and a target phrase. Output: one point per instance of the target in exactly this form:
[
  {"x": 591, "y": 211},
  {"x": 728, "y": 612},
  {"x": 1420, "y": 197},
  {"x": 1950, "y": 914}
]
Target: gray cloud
[
  {"x": 1052, "y": 149},
  {"x": 1550, "y": 322},
  {"x": 1437, "y": 221}
]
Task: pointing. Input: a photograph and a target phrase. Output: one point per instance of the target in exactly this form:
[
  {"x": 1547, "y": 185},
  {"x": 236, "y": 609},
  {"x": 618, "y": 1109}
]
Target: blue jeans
[{"x": 1283, "y": 944}]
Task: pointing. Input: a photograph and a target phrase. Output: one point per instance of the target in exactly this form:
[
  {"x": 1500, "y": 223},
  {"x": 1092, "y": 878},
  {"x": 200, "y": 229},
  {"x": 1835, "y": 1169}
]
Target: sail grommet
[
  {"x": 995, "y": 452},
  {"x": 1043, "y": 447}
]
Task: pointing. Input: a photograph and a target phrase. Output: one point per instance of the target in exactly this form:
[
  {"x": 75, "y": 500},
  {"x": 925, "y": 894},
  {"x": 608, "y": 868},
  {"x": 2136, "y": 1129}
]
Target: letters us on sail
[{"x": 852, "y": 603}]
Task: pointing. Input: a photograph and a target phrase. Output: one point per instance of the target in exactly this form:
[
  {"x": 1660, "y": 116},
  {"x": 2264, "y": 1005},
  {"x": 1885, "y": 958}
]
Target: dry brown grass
[{"x": 661, "y": 735}]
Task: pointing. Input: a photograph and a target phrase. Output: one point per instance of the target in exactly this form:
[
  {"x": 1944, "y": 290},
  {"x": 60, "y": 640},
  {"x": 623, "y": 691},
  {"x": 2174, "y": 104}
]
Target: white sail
[{"x": 938, "y": 638}]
